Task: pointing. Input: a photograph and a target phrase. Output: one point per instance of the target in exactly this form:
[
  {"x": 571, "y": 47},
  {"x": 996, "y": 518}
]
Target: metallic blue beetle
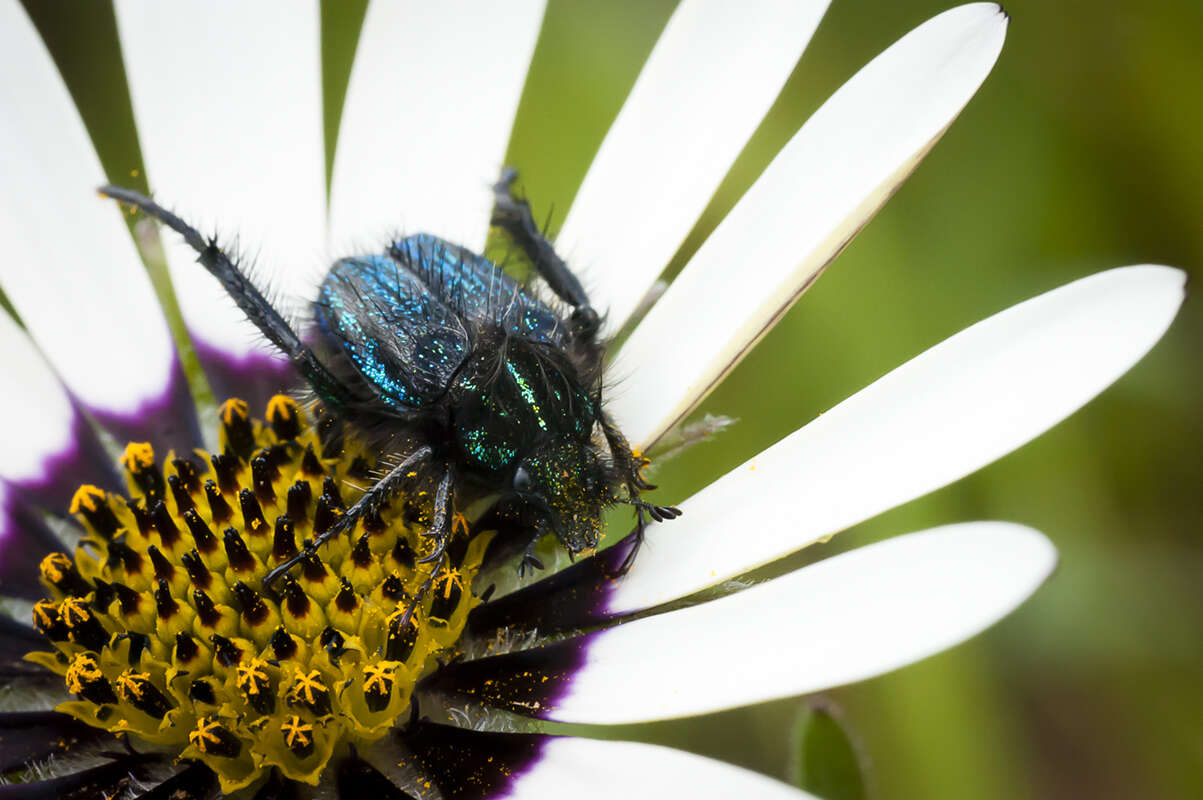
[{"x": 440, "y": 360}]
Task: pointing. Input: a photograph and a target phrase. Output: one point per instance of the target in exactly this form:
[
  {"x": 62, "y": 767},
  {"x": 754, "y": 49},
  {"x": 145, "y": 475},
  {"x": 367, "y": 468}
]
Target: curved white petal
[
  {"x": 705, "y": 87},
  {"x": 36, "y": 404},
  {"x": 588, "y": 768},
  {"x": 427, "y": 118},
  {"x": 841, "y": 620},
  {"x": 962, "y": 404},
  {"x": 823, "y": 186},
  {"x": 70, "y": 267},
  {"x": 227, "y": 98}
]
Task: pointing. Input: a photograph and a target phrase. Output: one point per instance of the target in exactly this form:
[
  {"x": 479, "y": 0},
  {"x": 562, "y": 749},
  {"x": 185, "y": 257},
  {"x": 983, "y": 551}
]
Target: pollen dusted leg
[
  {"x": 441, "y": 529},
  {"x": 629, "y": 464}
]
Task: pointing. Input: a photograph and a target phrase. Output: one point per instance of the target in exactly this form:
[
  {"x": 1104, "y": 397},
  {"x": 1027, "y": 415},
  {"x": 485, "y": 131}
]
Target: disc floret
[{"x": 162, "y": 630}]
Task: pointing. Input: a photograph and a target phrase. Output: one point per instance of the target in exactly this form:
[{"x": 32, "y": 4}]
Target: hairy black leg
[
  {"x": 440, "y": 524},
  {"x": 640, "y": 535},
  {"x": 513, "y": 215},
  {"x": 530, "y": 562},
  {"x": 625, "y": 459},
  {"x": 246, "y": 295},
  {"x": 372, "y": 498},
  {"x": 441, "y": 528},
  {"x": 629, "y": 464}
]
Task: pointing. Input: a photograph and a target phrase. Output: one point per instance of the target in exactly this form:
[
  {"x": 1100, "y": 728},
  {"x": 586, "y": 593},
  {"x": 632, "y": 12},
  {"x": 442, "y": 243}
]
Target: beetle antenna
[{"x": 245, "y": 294}]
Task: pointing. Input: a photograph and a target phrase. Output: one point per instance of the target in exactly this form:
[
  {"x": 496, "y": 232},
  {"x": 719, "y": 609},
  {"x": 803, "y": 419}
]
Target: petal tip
[
  {"x": 1153, "y": 287},
  {"x": 982, "y": 23},
  {"x": 1023, "y": 554},
  {"x": 1032, "y": 549}
]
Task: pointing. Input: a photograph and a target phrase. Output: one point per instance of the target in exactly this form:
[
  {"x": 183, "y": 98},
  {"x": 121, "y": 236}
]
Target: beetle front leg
[
  {"x": 629, "y": 464},
  {"x": 530, "y": 563},
  {"x": 442, "y": 525}
]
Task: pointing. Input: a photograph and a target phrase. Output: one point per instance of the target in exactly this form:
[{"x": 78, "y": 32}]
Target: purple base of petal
[
  {"x": 528, "y": 682},
  {"x": 84, "y": 461},
  {"x": 573, "y": 598},
  {"x": 24, "y": 537},
  {"x": 24, "y": 541},
  {"x": 532, "y": 682},
  {"x": 167, "y": 421},
  {"x": 254, "y": 376},
  {"x": 471, "y": 765}
]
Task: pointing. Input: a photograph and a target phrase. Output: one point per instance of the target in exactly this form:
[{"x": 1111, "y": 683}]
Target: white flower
[{"x": 228, "y": 106}]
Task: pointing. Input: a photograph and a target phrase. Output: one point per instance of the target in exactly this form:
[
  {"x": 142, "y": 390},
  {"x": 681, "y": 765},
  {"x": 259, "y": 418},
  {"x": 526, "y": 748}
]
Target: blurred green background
[{"x": 1081, "y": 152}]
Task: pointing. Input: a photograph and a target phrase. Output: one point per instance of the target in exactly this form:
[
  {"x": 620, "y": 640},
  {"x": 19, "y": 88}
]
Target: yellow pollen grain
[
  {"x": 74, "y": 611},
  {"x": 282, "y": 407},
  {"x": 449, "y": 580},
  {"x": 131, "y": 684},
  {"x": 204, "y": 734},
  {"x": 87, "y": 497},
  {"x": 138, "y": 456},
  {"x": 84, "y": 669},
  {"x": 251, "y": 675},
  {"x": 232, "y": 409},
  {"x": 377, "y": 678},
  {"x": 41, "y": 613},
  {"x": 54, "y": 566},
  {"x": 297, "y": 733},
  {"x": 307, "y": 684}
]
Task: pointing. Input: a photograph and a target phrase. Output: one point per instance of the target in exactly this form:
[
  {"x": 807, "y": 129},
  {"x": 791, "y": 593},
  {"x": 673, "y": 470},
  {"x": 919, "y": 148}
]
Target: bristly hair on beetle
[{"x": 437, "y": 358}]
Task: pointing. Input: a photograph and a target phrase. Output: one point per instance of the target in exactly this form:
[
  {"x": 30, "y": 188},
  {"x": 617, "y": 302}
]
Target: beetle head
[{"x": 568, "y": 485}]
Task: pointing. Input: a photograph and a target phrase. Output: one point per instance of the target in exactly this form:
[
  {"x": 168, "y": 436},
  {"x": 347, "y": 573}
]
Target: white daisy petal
[
  {"x": 946, "y": 413},
  {"x": 427, "y": 117},
  {"x": 845, "y": 619},
  {"x": 228, "y": 105},
  {"x": 710, "y": 79},
  {"x": 823, "y": 186},
  {"x": 587, "y": 768},
  {"x": 39, "y": 403},
  {"x": 70, "y": 267},
  {"x": 50, "y": 449},
  {"x": 962, "y": 404}
]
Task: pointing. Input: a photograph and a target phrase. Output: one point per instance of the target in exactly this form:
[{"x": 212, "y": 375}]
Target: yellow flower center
[{"x": 162, "y": 630}]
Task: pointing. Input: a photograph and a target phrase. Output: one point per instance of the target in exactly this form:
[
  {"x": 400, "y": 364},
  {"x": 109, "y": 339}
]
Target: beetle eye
[{"x": 521, "y": 480}]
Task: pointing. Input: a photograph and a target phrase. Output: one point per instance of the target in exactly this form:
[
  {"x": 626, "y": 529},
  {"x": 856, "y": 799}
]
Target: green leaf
[{"x": 826, "y": 762}]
